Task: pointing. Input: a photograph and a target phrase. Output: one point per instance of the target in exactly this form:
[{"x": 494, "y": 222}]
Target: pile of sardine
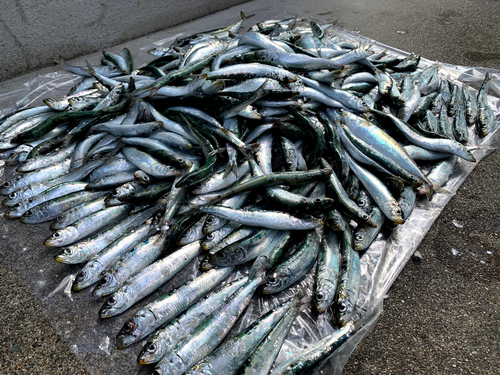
[{"x": 278, "y": 151}]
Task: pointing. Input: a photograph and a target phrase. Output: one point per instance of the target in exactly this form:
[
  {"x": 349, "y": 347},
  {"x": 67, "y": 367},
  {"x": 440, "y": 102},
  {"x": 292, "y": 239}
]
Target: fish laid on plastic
[{"x": 280, "y": 152}]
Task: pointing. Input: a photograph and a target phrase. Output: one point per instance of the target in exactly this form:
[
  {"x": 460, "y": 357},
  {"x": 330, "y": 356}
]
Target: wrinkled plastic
[{"x": 74, "y": 315}]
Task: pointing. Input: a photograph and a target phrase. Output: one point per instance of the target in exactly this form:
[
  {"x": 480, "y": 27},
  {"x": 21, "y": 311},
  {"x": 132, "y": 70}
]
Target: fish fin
[
  {"x": 175, "y": 43},
  {"x": 217, "y": 151},
  {"x": 231, "y": 167},
  {"x": 249, "y": 149},
  {"x": 90, "y": 68},
  {"x": 60, "y": 60},
  {"x": 318, "y": 50},
  {"x": 235, "y": 169},
  {"x": 245, "y": 17}
]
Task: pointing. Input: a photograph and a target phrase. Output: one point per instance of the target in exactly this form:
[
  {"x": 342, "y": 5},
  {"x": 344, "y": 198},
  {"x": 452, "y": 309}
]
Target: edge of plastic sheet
[{"x": 74, "y": 315}]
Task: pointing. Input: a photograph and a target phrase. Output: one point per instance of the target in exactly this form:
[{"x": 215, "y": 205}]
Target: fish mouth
[
  {"x": 124, "y": 340},
  {"x": 399, "y": 221},
  {"x": 49, "y": 242},
  {"x": 106, "y": 312},
  {"x": 59, "y": 258}
]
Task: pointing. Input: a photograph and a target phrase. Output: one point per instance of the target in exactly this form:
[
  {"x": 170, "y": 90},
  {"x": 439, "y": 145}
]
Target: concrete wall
[{"x": 35, "y": 33}]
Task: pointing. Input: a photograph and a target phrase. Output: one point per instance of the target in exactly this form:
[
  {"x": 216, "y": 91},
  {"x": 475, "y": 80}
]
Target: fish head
[
  {"x": 33, "y": 215},
  {"x": 72, "y": 254},
  {"x": 9, "y": 186},
  {"x": 17, "y": 210},
  {"x": 136, "y": 328},
  {"x": 211, "y": 223},
  {"x": 183, "y": 163},
  {"x": 364, "y": 201},
  {"x": 109, "y": 283},
  {"x": 154, "y": 350},
  {"x": 404, "y": 204},
  {"x": 11, "y": 199},
  {"x": 87, "y": 275},
  {"x": 116, "y": 303},
  {"x": 323, "y": 298},
  {"x": 62, "y": 221},
  {"x": 189, "y": 235},
  {"x": 206, "y": 265},
  {"x": 142, "y": 177},
  {"x": 210, "y": 240},
  {"x": 368, "y": 220},
  {"x": 345, "y": 309},
  {"x": 358, "y": 241},
  {"x": 323, "y": 202},
  {"x": 228, "y": 256},
  {"x": 253, "y": 113},
  {"x": 62, "y": 237},
  {"x": 396, "y": 213},
  {"x": 275, "y": 282},
  {"x": 122, "y": 190}
]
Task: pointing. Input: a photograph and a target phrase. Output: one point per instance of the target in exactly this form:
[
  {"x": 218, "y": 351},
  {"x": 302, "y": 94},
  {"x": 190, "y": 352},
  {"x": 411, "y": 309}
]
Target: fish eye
[
  {"x": 60, "y": 218},
  {"x": 365, "y": 216},
  {"x": 12, "y": 195},
  {"x": 271, "y": 279},
  {"x": 359, "y": 237},
  {"x": 17, "y": 205},
  {"x": 68, "y": 251},
  {"x": 151, "y": 347},
  {"x": 57, "y": 235},
  {"x": 6, "y": 184},
  {"x": 180, "y": 160},
  {"x": 210, "y": 236},
  {"x": 103, "y": 281},
  {"x": 129, "y": 326},
  {"x": 112, "y": 301},
  {"x": 398, "y": 210},
  {"x": 29, "y": 213},
  {"x": 30, "y": 200},
  {"x": 361, "y": 202},
  {"x": 320, "y": 296},
  {"x": 210, "y": 220},
  {"x": 342, "y": 307},
  {"x": 317, "y": 200},
  {"x": 115, "y": 192},
  {"x": 220, "y": 255},
  {"x": 81, "y": 275}
]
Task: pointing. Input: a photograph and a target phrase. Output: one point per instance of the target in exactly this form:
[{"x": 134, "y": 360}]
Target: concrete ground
[{"x": 442, "y": 313}]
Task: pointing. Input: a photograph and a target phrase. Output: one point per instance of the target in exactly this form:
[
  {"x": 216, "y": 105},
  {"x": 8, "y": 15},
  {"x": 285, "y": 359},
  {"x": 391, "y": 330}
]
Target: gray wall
[{"x": 35, "y": 33}]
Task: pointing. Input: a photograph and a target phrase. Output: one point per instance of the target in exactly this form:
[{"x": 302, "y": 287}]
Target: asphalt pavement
[{"x": 441, "y": 316}]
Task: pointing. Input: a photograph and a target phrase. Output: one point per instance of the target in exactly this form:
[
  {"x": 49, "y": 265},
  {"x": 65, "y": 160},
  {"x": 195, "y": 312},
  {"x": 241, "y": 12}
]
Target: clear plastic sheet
[{"x": 74, "y": 315}]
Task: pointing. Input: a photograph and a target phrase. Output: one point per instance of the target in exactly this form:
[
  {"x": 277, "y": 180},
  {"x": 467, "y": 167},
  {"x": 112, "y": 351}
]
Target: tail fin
[
  {"x": 245, "y": 17},
  {"x": 231, "y": 167},
  {"x": 91, "y": 69}
]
